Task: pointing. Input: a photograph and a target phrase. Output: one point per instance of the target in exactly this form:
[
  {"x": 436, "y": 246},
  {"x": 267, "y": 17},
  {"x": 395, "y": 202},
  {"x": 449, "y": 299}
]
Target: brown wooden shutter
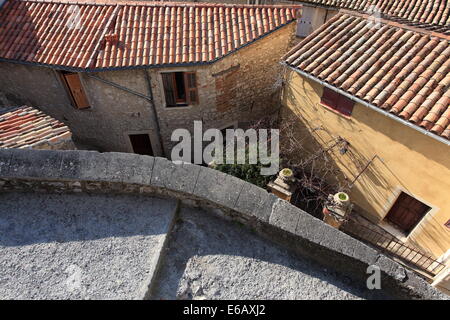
[
  {"x": 345, "y": 105},
  {"x": 190, "y": 81},
  {"x": 169, "y": 90},
  {"x": 329, "y": 97},
  {"x": 76, "y": 90},
  {"x": 337, "y": 101}
]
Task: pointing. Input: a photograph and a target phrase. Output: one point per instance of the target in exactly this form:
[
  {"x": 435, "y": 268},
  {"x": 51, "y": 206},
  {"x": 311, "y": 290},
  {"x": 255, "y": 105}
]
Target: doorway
[
  {"x": 407, "y": 212},
  {"x": 141, "y": 144}
]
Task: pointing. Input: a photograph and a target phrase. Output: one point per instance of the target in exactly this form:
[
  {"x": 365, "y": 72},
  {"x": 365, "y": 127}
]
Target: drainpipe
[
  {"x": 149, "y": 98},
  {"x": 155, "y": 113},
  {"x": 370, "y": 106}
]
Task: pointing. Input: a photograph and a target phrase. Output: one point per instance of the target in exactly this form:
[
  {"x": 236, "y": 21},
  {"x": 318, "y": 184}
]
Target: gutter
[{"x": 370, "y": 106}]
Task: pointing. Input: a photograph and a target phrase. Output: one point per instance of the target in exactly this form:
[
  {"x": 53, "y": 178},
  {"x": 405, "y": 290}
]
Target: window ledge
[
  {"x": 82, "y": 109},
  {"x": 335, "y": 111},
  {"x": 189, "y": 106}
]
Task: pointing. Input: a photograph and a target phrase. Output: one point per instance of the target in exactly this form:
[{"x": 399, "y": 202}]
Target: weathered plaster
[{"x": 405, "y": 159}]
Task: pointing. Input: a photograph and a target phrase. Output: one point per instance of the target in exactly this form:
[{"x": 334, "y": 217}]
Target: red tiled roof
[
  {"x": 404, "y": 71},
  {"x": 432, "y": 14},
  {"x": 28, "y": 127},
  {"x": 115, "y": 34}
]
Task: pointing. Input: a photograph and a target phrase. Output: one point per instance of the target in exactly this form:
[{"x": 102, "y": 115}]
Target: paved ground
[
  {"x": 105, "y": 247},
  {"x": 79, "y": 246},
  {"x": 210, "y": 258}
]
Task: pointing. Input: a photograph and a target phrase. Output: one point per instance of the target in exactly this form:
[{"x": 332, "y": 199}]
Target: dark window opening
[
  {"x": 179, "y": 84},
  {"x": 141, "y": 144},
  {"x": 74, "y": 89},
  {"x": 337, "y": 102},
  {"x": 407, "y": 212},
  {"x": 180, "y": 88}
]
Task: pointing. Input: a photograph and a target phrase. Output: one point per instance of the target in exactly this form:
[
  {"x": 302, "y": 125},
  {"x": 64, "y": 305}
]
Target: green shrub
[{"x": 248, "y": 172}]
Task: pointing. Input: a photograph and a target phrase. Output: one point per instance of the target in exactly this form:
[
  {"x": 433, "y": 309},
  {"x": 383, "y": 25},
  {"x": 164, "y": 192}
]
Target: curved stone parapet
[{"x": 93, "y": 172}]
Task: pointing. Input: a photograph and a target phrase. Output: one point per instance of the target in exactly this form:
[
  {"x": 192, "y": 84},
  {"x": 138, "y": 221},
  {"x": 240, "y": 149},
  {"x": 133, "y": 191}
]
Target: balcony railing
[{"x": 410, "y": 256}]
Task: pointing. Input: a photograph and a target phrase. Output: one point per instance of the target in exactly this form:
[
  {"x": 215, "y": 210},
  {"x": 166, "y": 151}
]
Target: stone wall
[
  {"x": 232, "y": 198},
  {"x": 62, "y": 144},
  {"x": 105, "y": 125}
]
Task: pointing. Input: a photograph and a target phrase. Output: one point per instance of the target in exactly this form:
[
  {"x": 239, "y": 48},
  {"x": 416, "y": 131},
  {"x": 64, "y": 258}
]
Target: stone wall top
[{"x": 275, "y": 217}]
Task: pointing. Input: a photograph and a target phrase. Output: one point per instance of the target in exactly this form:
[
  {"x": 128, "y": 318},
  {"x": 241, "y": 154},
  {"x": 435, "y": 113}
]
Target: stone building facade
[
  {"x": 240, "y": 88},
  {"x": 232, "y": 90}
]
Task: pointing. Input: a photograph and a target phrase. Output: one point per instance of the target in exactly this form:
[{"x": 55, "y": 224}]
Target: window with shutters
[
  {"x": 406, "y": 212},
  {"x": 74, "y": 89},
  {"x": 337, "y": 102},
  {"x": 180, "y": 88}
]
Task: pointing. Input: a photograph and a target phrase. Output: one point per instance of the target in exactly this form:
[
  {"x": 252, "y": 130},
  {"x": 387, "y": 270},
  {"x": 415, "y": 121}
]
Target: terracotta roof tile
[
  {"x": 24, "y": 127},
  {"x": 114, "y": 34},
  {"x": 403, "y": 70},
  {"x": 430, "y": 14}
]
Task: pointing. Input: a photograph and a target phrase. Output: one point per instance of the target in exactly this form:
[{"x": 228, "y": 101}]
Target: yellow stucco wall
[{"x": 407, "y": 160}]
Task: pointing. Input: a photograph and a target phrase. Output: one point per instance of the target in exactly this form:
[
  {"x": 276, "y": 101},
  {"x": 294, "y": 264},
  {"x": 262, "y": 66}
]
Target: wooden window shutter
[
  {"x": 337, "y": 101},
  {"x": 345, "y": 105},
  {"x": 329, "y": 97},
  {"x": 76, "y": 90},
  {"x": 190, "y": 81},
  {"x": 169, "y": 90}
]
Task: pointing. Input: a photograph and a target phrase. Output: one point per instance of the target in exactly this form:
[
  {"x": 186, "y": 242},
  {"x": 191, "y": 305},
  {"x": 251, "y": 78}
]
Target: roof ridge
[
  {"x": 396, "y": 24},
  {"x": 414, "y": 12},
  {"x": 162, "y": 3},
  {"x": 98, "y": 46}
]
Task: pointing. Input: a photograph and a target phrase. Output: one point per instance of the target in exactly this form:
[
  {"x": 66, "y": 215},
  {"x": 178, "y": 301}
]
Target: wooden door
[
  {"x": 141, "y": 144},
  {"x": 407, "y": 212}
]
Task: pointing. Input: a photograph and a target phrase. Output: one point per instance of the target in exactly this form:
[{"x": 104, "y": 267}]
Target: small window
[
  {"x": 407, "y": 212},
  {"x": 180, "y": 88},
  {"x": 75, "y": 90},
  {"x": 337, "y": 102}
]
